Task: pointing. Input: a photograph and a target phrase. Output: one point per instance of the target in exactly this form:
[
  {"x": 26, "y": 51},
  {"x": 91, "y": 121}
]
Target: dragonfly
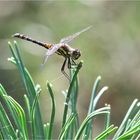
[{"x": 62, "y": 48}]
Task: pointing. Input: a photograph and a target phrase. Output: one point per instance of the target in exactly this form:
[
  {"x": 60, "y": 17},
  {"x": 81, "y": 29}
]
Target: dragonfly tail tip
[{"x": 15, "y": 35}]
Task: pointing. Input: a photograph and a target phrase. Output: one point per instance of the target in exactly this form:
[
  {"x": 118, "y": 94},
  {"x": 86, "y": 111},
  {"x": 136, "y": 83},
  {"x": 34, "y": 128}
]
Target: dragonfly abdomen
[{"x": 24, "y": 37}]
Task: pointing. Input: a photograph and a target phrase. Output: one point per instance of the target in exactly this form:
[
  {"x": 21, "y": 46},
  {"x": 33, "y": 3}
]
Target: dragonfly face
[
  {"x": 76, "y": 54},
  {"x": 62, "y": 48}
]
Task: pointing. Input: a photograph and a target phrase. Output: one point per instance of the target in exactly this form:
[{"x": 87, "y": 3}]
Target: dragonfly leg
[
  {"x": 63, "y": 69},
  {"x": 73, "y": 62},
  {"x": 69, "y": 63}
]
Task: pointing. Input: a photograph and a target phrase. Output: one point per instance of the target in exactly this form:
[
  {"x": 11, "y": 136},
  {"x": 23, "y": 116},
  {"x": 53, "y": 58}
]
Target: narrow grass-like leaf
[
  {"x": 107, "y": 118},
  {"x": 10, "y": 108},
  {"x": 49, "y": 87},
  {"x": 66, "y": 126},
  {"x": 127, "y": 126},
  {"x": 74, "y": 95},
  {"x": 133, "y": 121},
  {"x": 1, "y": 136},
  {"x": 132, "y": 125},
  {"x": 101, "y": 92},
  {"x": 72, "y": 106},
  {"x": 131, "y": 132},
  {"x": 106, "y": 132},
  {"x": 27, "y": 105},
  {"x": 30, "y": 88},
  {"x": 93, "y": 103},
  {"x": 46, "y": 130},
  {"x": 93, "y": 95},
  {"x": 138, "y": 137},
  {"x": 88, "y": 129},
  {"x": 35, "y": 102},
  {"x": 69, "y": 93},
  {"x": 28, "y": 113},
  {"x": 21, "y": 117},
  {"x": 6, "y": 127},
  {"x": 100, "y": 111},
  {"x": 124, "y": 122},
  {"x": 3, "y": 133},
  {"x": 32, "y": 117}
]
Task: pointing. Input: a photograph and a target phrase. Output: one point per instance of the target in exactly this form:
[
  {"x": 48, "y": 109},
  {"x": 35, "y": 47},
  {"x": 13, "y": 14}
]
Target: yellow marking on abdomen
[{"x": 48, "y": 46}]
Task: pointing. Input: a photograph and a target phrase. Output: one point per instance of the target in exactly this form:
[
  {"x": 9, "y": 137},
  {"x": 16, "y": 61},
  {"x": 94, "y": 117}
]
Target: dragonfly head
[{"x": 76, "y": 54}]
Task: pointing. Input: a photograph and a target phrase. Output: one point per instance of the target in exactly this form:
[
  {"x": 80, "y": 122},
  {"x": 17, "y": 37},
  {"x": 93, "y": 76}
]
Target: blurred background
[{"x": 110, "y": 49}]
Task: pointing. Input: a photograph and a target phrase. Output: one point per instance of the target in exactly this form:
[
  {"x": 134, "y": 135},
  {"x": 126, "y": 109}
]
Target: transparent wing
[
  {"x": 49, "y": 52},
  {"x": 71, "y": 37},
  {"x": 53, "y": 49},
  {"x": 45, "y": 60}
]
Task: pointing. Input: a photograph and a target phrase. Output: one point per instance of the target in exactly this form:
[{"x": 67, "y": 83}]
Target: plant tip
[
  {"x": 25, "y": 95},
  {"x": 135, "y": 100},
  {"x": 65, "y": 103},
  {"x": 107, "y": 105},
  {"x": 138, "y": 104},
  {"x": 82, "y": 61},
  {"x": 38, "y": 86},
  {"x": 48, "y": 83},
  {"x": 45, "y": 125},
  {"x": 106, "y": 88},
  {"x": 15, "y": 42},
  {"x": 48, "y": 124},
  {"x": 9, "y": 43},
  {"x": 10, "y": 58},
  {"x": 99, "y": 77}
]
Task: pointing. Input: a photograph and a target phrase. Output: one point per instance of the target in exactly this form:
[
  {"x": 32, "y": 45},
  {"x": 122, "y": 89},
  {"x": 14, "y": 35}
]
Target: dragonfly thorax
[{"x": 71, "y": 52}]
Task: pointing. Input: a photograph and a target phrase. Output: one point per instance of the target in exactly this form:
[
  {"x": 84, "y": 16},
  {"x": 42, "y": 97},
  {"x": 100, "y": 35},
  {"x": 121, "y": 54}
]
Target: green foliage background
[{"x": 110, "y": 49}]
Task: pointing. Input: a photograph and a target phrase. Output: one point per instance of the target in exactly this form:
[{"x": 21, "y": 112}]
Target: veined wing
[
  {"x": 53, "y": 49},
  {"x": 50, "y": 51},
  {"x": 71, "y": 37}
]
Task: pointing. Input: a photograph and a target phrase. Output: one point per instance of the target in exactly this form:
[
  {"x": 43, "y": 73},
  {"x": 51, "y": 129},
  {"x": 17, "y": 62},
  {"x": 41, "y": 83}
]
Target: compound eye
[{"x": 76, "y": 54}]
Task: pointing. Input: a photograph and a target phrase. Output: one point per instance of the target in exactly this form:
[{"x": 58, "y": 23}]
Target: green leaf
[
  {"x": 6, "y": 128},
  {"x": 20, "y": 115},
  {"x": 100, "y": 111},
  {"x": 5, "y": 121},
  {"x": 30, "y": 88},
  {"x": 46, "y": 130},
  {"x": 93, "y": 102},
  {"x": 106, "y": 132},
  {"x": 69, "y": 93},
  {"x": 131, "y": 132},
  {"x": 67, "y": 125},
  {"x": 49, "y": 87},
  {"x": 126, "y": 118}
]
